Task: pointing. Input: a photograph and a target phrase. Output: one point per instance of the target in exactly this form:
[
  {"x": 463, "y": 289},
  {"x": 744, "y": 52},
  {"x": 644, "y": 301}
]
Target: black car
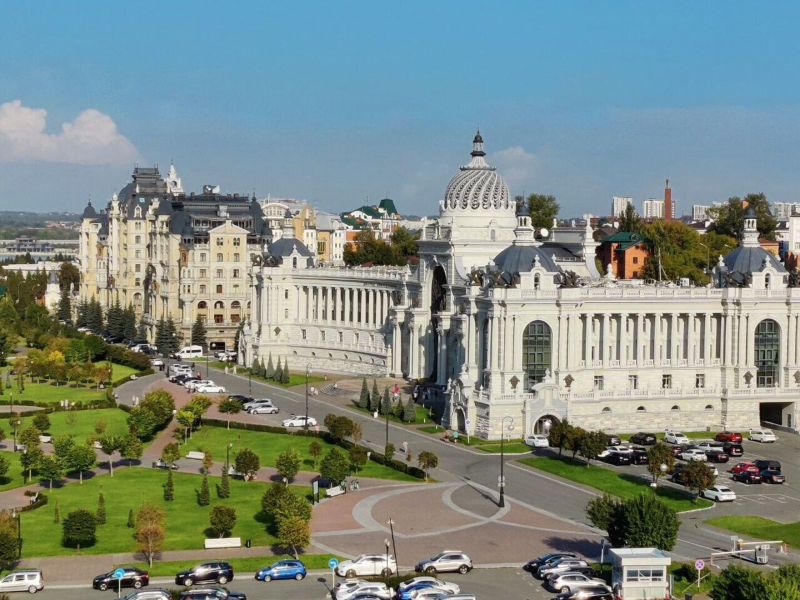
[
  {"x": 639, "y": 456},
  {"x": 240, "y": 398},
  {"x": 732, "y": 449},
  {"x": 772, "y": 476},
  {"x": 768, "y": 465},
  {"x": 215, "y": 571},
  {"x": 212, "y": 593},
  {"x": 643, "y": 439},
  {"x": 587, "y": 593},
  {"x": 113, "y": 339},
  {"x": 135, "y": 578},
  {"x": 747, "y": 477},
  {"x": 618, "y": 458},
  {"x": 613, "y": 440},
  {"x": 545, "y": 559}
]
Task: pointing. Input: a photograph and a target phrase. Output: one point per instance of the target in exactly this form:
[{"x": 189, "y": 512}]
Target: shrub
[
  {"x": 79, "y": 529},
  {"x": 222, "y": 519}
]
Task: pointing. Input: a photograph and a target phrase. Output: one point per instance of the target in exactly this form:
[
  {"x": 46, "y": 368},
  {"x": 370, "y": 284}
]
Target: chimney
[{"x": 667, "y": 202}]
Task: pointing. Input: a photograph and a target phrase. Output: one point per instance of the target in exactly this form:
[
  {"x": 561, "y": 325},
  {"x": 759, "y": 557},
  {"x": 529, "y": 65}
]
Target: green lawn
[
  {"x": 250, "y": 564},
  {"x": 294, "y": 378},
  {"x": 473, "y": 440},
  {"x": 622, "y": 485},
  {"x": 269, "y": 445},
  {"x": 129, "y": 488},
  {"x": 85, "y": 421},
  {"x": 14, "y": 477},
  {"x": 513, "y": 447},
  {"x": 423, "y": 415},
  {"x": 759, "y": 527}
]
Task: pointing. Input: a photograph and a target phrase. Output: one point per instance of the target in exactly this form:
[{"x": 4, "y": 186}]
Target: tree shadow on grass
[{"x": 662, "y": 491}]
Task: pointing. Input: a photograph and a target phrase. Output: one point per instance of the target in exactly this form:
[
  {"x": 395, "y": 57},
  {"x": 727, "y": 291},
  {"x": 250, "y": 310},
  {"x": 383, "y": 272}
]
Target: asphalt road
[{"x": 484, "y": 583}]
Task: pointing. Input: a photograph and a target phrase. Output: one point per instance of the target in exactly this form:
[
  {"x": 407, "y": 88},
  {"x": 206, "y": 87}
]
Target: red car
[
  {"x": 743, "y": 467},
  {"x": 729, "y": 436}
]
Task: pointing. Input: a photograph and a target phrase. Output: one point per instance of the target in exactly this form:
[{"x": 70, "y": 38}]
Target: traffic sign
[
  {"x": 699, "y": 564},
  {"x": 119, "y": 573},
  {"x": 333, "y": 563}
]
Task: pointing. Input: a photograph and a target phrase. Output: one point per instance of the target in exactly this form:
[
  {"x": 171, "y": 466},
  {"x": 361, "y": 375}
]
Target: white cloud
[
  {"x": 516, "y": 165},
  {"x": 90, "y": 138}
]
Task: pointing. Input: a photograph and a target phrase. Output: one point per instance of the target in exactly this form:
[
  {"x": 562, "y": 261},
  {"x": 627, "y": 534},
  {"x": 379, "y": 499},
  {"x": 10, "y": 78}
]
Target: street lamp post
[
  {"x": 502, "y": 480},
  {"x": 308, "y": 370},
  {"x": 387, "y": 429},
  {"x": 18, "y": 516},
  {"x": 388, "y": 569},
  {"x": 228, "y": 456},
  {"x": 394, "y": 547}
]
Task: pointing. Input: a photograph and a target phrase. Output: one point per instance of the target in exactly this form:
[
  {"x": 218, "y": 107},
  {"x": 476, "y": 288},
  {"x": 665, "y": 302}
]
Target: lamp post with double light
[{"x": 502, "y": 480}]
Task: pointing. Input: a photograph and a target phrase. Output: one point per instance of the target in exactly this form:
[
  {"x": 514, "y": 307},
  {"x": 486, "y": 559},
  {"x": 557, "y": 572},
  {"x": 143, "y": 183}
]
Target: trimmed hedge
[{"x": 40, "y": 501}]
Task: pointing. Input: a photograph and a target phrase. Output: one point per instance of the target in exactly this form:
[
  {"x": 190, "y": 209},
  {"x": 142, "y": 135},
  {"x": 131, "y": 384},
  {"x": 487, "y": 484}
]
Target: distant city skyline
[{"x": 339, "y": 103}]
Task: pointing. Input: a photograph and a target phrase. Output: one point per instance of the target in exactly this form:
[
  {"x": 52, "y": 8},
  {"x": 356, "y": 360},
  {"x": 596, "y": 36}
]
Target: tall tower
[{"x": 668, "y": 214}]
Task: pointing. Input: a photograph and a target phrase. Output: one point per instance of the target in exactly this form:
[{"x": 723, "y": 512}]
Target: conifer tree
[
  {"x": 101, "y": 510},
  {"x": 224, "y": 485},
  {"x": 386, "y": 405},
  {"x": 256, "y": 368},
  {"x": 363, "y": 399},
  {"x": 269, "y": 373},
  {"x": 129, "y": 328},
  {"x": 410, "y": 412},
  {"x": 204, "y": 496},
  {"x": 169, "y": 488},
  {"x": 286, "y": 376},
  {"x": 278, "y": 376},
  {"x": 131, "y": 520},
  {"x": 65, "y": 307},
  {"x": 375, "y": 398},
  {"x": 199, "y": 332}
]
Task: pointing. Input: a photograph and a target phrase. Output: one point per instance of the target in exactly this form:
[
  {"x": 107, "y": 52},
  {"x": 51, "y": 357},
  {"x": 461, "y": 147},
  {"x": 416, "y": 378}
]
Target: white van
[
  {"x": 188, "y": 352},
  {"x": 24, "y": 580}
]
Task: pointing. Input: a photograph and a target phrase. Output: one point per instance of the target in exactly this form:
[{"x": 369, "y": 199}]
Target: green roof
[
  {"x": 388, "y": 205},
  {"x": 625, "y": 239}
]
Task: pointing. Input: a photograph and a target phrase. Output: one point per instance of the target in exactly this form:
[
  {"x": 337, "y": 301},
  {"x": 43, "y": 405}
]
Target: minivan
[
  {"x": 24, "y": 580},
  {"x": 188, "y": 352}
]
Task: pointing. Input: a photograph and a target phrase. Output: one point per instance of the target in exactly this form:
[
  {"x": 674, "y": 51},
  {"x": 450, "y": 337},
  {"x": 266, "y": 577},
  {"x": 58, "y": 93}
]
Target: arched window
[
  {"x": 236, "y": 257},
  {"x": 536, "y": 351},
  {"x": 676, "y": 407},
  {"x": 202, "y": 305},
  {"x": 536, "y": 281},
  {"x": 138, "y": 239},
  {"x": 767, "y": 346},
  {"x": 236, "y": 305},
  {"x": 219, "y": 256},
  {"x": 767, "y": 280},
  {"x": 606, "y": 409},
  {"x": 709, "y": 407},
  {"x": 641, "y": 409},
  {"x": 137, "y": 301},
  {"x": 219, "y": 305}
]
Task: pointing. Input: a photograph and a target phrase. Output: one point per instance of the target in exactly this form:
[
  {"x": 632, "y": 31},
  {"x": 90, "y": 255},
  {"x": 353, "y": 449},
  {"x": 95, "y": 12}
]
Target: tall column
[
  {"x": 795, "y": 326},
  {"x": 673, "y": 339},
  {"x": 690, "y": 339},
  {"x": 373, "y": 307},
  {"x": 412, "y": 349},
  {"x": 604, "y": 345},
  {"x": 787, "y": 342},
  {"x": 728, "y": 333},
  {"x": 587, "y": 339},
  {"x": 362, "y": 300},
  {"x": 442, "y": 374},
  {"x": 740, "y": 337},
  {"x": 640, "y": 350},
  {"x": 329, "y": 303},
  {"x": 657, "y": 354},
  {"x": 397, "y": 348},
  {"x": 569, "y": 360},
  {"x": 623, "y": 339},
  {"x": 709, "y": 340},
  {"x": 347, "y": 292}
]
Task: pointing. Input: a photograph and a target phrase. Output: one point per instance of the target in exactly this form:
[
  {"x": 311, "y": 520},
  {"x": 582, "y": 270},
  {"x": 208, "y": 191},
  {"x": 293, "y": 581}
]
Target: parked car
[
  {"x": 255, "y": 401},
  {"x": 22, "y": 580},
  {"x": 626, "y": 450},
  {"x": 618, "y": 458},
  {"x": 421, "y": 579},
  {"x": 613, "y": 440},
  {"x": 157, "y": 362},
  {"x": 593, "y": 593},
  {"x": 643, "y": 439},
  {"x": 717, "y": 455},
  {"x": 448, "y": 561},
  {"x": 747, "y": 477},
  {"x": 162, "y": 464},
  {"x": 283, "y": 569},
  {"x": 566, "y": 582},
  {"x": 208, "y": 572},
  {"x": 351, "y": 588},
  {"x": 719, "y": 493},
  {"x": 263, "y": 409},
  {"x": 732, "y": 449},
  {"x": 192, "y": 385},
  {"x": 412, "y": 591},
  {"x": 149, "y": 594},
  {"x": 295, "y": 421},
  {"x": 537, "y": 441},
  {"x": 639, "y": 456},
  {"x": 765, "y": 436},
  {"x": 210, "y": 388},
  {"x": 764, "y": 464},
  {"x": 677, "y": 472},
  {"x": 770, "y": 476},
  {"x": 744, "y": 466},
  {"x": 559, "y": 566},
  {"x": 240, "y": 398},
  {"x": 675, "y": 437},
  {"x": 678, "y": 449},
  {"x": 729, "y": 436},
  {"x": 535, "y": 563},
  {"x": 212, "y": 593},
  {"x": 367, "y": 565},
  {"x": 693, "y": 454}
]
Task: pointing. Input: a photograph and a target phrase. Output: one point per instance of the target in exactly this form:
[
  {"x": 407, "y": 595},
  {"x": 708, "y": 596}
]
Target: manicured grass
[
  {"x": 129, "y": 488},
  {"x": 294, "y": 378},
  {"x": 85, "y": 421},
  {"x": 14, "y": 477},
  {"x": 513, "y": 447},
  {"x": 473, "y": 440},
  {"x": 423, "y": 415},
  {"x": 250, "y": 564},
  {"x": 622, "y": 485},
  {"x": 269, "y": 445},
  {"x": 759, "y": 527}
]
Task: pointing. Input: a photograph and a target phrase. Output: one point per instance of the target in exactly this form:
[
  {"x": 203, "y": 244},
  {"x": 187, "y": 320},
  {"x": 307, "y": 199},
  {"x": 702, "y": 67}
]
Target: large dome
[{"x": 477, "y": 186}]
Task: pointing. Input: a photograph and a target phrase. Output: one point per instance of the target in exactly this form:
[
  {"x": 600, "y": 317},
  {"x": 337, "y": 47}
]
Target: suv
[
  {"x": 24, "y": 580},
  {"x": 151, "y": 594},
  {"x": 561, "y": 566},
  {"x": 367, "y": 565},
  {"x": 732, "y": 449},
  {"x": 566, "y": 582},
  {"x": 212, "y": 593},
  {"x": 135, "y": 578},
  {"x": 447, "y": 561},
  {"x": 675, "y": 437},
  {"x": 207, "y": 572},
  {"x": 643, "y": 439},
  {"x": 534, "y": 564},
  {"x": 729, "y": 436},
  {"x": 768, "y": 465}
]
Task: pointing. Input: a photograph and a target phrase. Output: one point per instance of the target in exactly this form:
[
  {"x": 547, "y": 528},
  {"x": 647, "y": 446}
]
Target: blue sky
[{"x": 340, "y": 101}]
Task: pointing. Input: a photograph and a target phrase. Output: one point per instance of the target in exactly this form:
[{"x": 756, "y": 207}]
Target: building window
[
  {"x": 138, "y": 226},
  {"x": 219, "y": 273},
  {"x": 219, "y": 256},
  {"x": 666, "y": 382},
  {"x": 303, "y": 333},
  {"x": 641, "y": 409},
  {"x": 536, "y": 350},
  {"x": 321, "y": 248},
  {"x": 285, "y": 294},
  {"x": 138, "y": 254},
  {"x": 203, "y": 274},
  {"x": 138, "y": 239},
  {"x": 236, "y": 257},
  {"x": 220, "y": 242},
  {"x": 676, "y": 407},
  {"x": 633, "y": 382},
  {"x": 235, "y": 288},
  {"x": 767, "y": 345},
  {"x": 202, "y": 257},
  {"x": 237, "y": 241},
  {"x": 218, "y": 318},
  {"x": 341, "y": 336},
  {"x": 598, "y": 383},
  {"x": 294, "y": 262},
  {"x": 285, "y": 313},
  {"x": 236, "y": 272},
  {"x": 138, "y": 282},
  {"x": 700, "y": 380},
  {"x": 234, "y": 318},
  {"x": 202, "y": 289},
  {"x": 137, "y": 268},
  {"x": 323, "y": 335},
  {"x": 636, "y": 260},
  {"x": 219, "y": 289}
]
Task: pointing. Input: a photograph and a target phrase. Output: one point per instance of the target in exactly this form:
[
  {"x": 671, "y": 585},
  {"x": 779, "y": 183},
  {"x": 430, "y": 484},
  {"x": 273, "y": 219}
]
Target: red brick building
[{"x": 626, "y": 252}]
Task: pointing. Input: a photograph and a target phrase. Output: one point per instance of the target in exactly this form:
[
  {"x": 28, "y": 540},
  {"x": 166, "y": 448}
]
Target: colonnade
[{"x": 347, "y": 306}]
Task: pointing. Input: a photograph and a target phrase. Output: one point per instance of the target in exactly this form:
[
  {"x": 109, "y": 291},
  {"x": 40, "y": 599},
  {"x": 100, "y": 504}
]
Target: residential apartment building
[
  {"x": 653, "y": 208},
  {"x": 619, "y": 204}
]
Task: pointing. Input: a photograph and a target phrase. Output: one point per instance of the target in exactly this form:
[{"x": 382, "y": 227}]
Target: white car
[
  {"x": 367, "y": 565},
  {"x": 765, "y": 436},
  {"x": 719, "y": 493},
  {"x": 295, "y": 421},
  {"x": 263, "y": 409},
  {"x": 210, "y": 388},
  {"x": 537, "y": 441},
  {"x": 422, "y": 579},
  {"x": 191, "y": 385},
  {"x": 710, "y": 446},
  {"x": 350, "y": 588},
  {"x": 157, "y": 362},
  {"x": 615, "y": 450},
  {"x": 253, "y": 403},
  {"x": 675, "y": 437},
  {"x": 693, "y": 454}
]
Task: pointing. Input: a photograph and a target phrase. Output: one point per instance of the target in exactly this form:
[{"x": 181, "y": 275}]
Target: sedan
[
  {"x": 693, "y": 454},
  {"x": 534, "y": 564},
  {"x": 212, "y": 593},
  {"x": 639, "y": 456},
  {"x": 263, "y": 409},
  {"x": 770, "y": 476},
  {"x": 562, "y": 565},
  {"x": 744, "y": 466},
  {"x": 211, "y": 388},
  {"x": 422, "y": 579},
  {"x": 135, "y": 578},
  {"x": 295, "y": 421},
  {"x": 283, "y": 569},
  {"x": 719, "y": 493},
  {"x": 162, "y": 464},
  {"x": 157, "y": 362},
  {"x": 618, "y": 458},
  {"x": 192, "y": 385},
  {"x": 353, "y": 588},
  {"x": 412, "y": 591},
  {"x": 537, "y": 441},
  {"x": 729, "y": 436},
  {"x": 747, "y": 477},
  {"x": 643, "y": 439},
  {"x": 717, "y": 456},
  {"x": 592, "y": 593},
  {"x": 765, "y": 436},
  {"x": 253, "y": 403}
]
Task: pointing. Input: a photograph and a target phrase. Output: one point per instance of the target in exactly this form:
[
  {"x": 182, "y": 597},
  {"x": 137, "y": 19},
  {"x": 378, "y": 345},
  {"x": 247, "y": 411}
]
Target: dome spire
[
  {"x": 477, "y": 162},
  {"x": 477, "y": 144}
]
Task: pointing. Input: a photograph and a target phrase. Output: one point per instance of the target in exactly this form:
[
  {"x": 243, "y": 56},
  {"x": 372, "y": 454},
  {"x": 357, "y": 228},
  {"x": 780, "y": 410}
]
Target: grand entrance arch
[
  {"x": 438, "y": 305},
  {"x": 545, "y": 423}
]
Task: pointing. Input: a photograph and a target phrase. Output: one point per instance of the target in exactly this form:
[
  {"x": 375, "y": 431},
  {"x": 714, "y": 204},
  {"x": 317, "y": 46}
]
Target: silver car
[
  {"x": 24, "y": 580},
  {"x": 569, "y": 581},
  {"x": 448, "y": 561},
  {"x": 559, "y": 566}
]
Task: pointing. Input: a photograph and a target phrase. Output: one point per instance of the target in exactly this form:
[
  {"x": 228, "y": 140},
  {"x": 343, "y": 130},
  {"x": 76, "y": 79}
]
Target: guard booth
[{"x": 639, "y": 573}]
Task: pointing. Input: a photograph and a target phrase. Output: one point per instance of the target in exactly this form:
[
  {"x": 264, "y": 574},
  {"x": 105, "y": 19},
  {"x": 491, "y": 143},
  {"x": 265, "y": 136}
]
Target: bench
[
  {"x": 45, "y": 439},
  {"x": 196, "y": 455},
  {"x": 217, "y": 543},
  {"x": 232, "y": 472},
  {"x": 334, "y": 491}
]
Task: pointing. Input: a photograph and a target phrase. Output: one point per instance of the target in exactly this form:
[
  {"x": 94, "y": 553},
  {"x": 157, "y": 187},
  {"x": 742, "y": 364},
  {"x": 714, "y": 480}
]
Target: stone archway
[{"x": 544, "y": 423}]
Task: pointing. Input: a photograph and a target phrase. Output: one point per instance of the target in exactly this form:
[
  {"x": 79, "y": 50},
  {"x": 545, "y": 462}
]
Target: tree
[
  {"x": 56, "y": 513},
  {"x": 110, "y": 444},
  {"x": 658, "y": 455},
  {"x": 255, "y": 369},
  {"x": 49, "y": 469},
  {"x": 286, "y": 374},
  {"x": 288, "y": 463},
  {"x": 131, "y": 520},
  {"x": 629, "y": 220},
  {"x": 82, "y": 458},
  {"x": 375, "y": 398},
  {"x": 268, "y": 372},
  {"x": 602, "y": 512},
  {"x": 9, "y": 539},
  {"x": 208, "y": 462},
  {"x": 224, "y": 489},
  {"x": 334, "y": 467},
  {"x": 199, "y": 332},
  {"x": 315, "y": 451},
  {"x": 574, "y": 439},
  {"x": 41, "y": 421},
  {"x": 729, "y": 218},
  {"x": 4, "y": 466},
  {"x": 169, "y": 487},
  {"x": 31, "y": 459},
  {"x": 247, "y": 462},
  {"x": 294, "y": 533},
  {"x": 697, "y": 476},
  {"x": 386, "y": 404},
  {"x": 222, "y": 519},
  {"x": 358, "y": 456},
  {"x": 150, "y": 533},
  {"x": 643, "y": 521},
  {"x": 131, "y": 448},
  {"x": 29, "y": 437},
  {"x": 170, "y": 453},
  {"x": 739, "y": 583},
  {"x": 101, "y": 509},
  {"x": 278, "y": 376},
  {"x": 142, "y": 422},
  {"x": 427, "y": 461},
  {"x": 229, "y": 407},
  {"x": 542, "y": 208},
  {"x": 64, "y": 311},
  {"x": 410, "y": 412},
  {"x": 363, "y": 399},
  {"x": 79, "y": 528},
  {"x": 340, "y": 427},
  {"x": 357, "y": 433},
  {"x": 388, "y": 452},
  {"x": 559, "y": 432},
  {"x": 592, "y": 444},
  {"x": 204, "y": 495}
]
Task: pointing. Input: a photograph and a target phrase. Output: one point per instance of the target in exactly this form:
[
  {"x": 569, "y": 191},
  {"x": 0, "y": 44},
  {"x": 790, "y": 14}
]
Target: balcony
[{"x": 762, "y": 392}]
